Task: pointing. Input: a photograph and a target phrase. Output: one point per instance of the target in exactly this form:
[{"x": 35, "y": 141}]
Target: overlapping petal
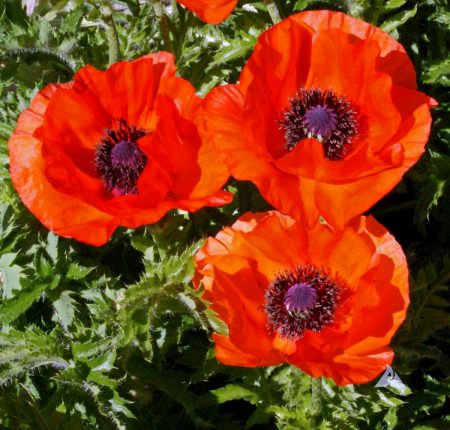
[
  {"x": 53, "y": 148},
  {"x": 327, "y": 51},
  {"x": 237, "y": 266}
]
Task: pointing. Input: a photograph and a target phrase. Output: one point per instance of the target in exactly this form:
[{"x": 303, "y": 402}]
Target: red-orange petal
[
  {"x": 238, "y": 265},
  {"x": 210, "y": 11},
  {"x": 395, "y": 59},
  {"x": 53, "y": 148},
  {"x": 313, "y": 50},
  {"x": 27, "y": 170}
]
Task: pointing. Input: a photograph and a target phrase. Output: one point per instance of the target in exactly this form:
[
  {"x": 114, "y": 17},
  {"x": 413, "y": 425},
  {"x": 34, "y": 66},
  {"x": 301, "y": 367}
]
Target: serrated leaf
[
  {"x": 235, "y": 392},
  {"x": 118, "y": 405},
  {"x": 10, "y": 275},
  {"x": 52, "y": 246},
  {"x": 13, "y": 308},
  {"x": 145, "y": 245},
  {"x": 436, "y": 181},
  {"x": 438, "y": 73},
  {"x": 6, "y": 129},
  {"x": 65, "y": 308},
  {"x": 24, "y": 351},
  {"x": 86, "y": 351},
  {"x": 8, "y": 229},
  {"x": 399, "y": 19},
  {"x": 238, "y": 49},
  {"x": 135, "y": 310},
  {"x": 76, "y": 272},
  {"x": 393, "y": 4},
  {"x": 264, "y": 414},
  {"x": 428, "y": 198},
  {"x": 301, "y": 4},
  {"x": 44, "y": 267},
  {"x": 99, "y": 378}
]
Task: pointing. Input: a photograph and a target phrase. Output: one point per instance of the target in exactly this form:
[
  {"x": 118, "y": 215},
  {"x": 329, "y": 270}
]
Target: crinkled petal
[
  {"x": 365, "y": 261},
  {"x": 54, "y": 147}
]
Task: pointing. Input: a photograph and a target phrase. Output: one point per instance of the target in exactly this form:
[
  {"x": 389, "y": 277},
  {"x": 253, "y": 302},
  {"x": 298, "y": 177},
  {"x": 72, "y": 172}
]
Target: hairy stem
[
  {"x": 113, "y": 38},
  {"x": 316, "y": 399},
  {"x": 163, "y": 24}
]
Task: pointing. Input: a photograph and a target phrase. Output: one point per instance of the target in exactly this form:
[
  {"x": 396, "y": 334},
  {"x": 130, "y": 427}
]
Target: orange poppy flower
[
  {"x": 114, "y": 148},
  {"x": 325, "y": 119},
  {"x": 325, "y": 301},
  {"x": 210, "y": 11}
]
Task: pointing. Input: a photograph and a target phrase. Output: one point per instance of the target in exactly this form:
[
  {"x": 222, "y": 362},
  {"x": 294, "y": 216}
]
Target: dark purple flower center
[
  {"x": 321, "y": 121},
  {"x": 119, "y": 160},
  {"x": 305, "y": 298},
  {"x": 314, "y": 113},
  {"x": 300, "y": 298},
  {"x": 126, "y": 155}
]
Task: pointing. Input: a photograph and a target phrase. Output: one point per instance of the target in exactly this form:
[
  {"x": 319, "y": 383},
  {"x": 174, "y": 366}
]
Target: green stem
[
  {"x": 163, "y": 24},
  {"x": 374, "y": 17},
  {"x": 316, "y": 400},
  {"x": 273, "y": 10},
  {"x": 175, "y": 13},
  {"x": 113, "y": 38}
]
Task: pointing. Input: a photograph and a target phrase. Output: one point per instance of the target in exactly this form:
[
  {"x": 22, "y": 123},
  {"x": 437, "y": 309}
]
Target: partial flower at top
[
  {"x": 325, "y": 119},
  {"x": 210, "y": 11},
  {"x": 325, "y": 301},
  {"x": 114, "y": 148}
]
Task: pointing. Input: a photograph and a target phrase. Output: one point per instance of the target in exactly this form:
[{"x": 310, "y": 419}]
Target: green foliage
[
  {"x": 434, "y": 185},
  {"x": 117, "y": 337},
  {"x": 24, "y": 352}
]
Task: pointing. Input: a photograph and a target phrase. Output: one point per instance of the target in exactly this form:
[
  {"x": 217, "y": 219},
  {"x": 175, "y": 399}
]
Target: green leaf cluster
[{"x": 118, "y": 337}]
